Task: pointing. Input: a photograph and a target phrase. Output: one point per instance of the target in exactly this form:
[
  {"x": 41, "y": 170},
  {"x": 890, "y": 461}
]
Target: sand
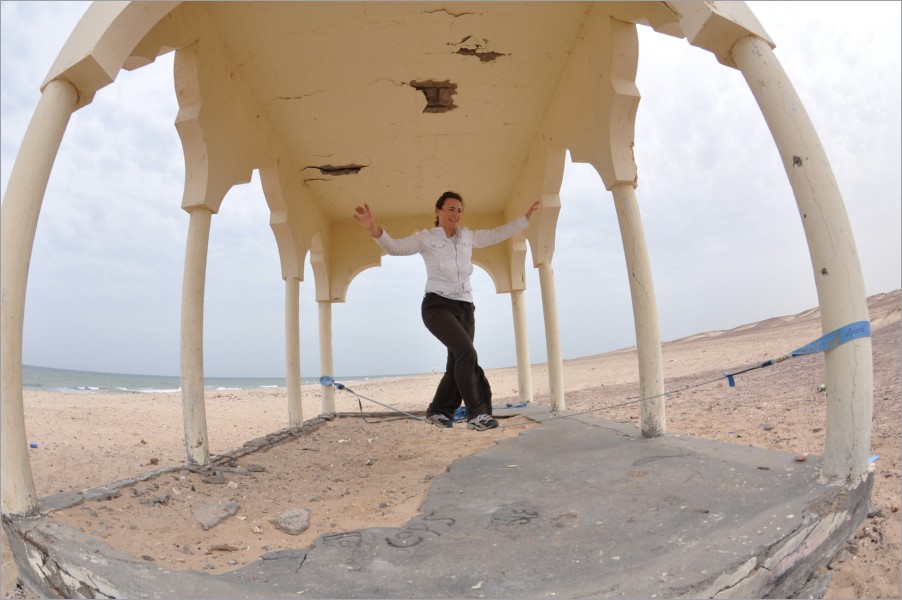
[{"x": 348, "y": 472}]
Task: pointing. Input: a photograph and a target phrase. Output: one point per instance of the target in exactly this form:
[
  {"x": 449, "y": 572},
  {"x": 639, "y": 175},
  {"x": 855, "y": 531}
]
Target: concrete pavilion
[{"x": 404, "y": 97}]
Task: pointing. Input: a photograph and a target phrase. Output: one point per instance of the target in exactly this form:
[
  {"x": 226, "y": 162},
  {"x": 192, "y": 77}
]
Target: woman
[{"x": 447, "y": 309}]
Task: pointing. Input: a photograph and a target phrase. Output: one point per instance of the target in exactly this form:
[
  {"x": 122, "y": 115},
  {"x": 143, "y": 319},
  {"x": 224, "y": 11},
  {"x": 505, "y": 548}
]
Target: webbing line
[
  {"x": 830, "y": 340},
  {"x": 844, "y": 334},
  {"x": 327, "y": 381}
]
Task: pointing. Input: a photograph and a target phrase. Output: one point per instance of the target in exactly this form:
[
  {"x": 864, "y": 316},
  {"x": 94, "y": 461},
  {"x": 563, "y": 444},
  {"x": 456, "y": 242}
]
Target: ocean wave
[{"x": 91, "y": 382}]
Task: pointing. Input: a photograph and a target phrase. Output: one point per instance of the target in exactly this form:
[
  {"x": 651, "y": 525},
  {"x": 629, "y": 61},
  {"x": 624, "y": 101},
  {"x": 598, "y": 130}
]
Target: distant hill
[{"x": 884, "y": 309}]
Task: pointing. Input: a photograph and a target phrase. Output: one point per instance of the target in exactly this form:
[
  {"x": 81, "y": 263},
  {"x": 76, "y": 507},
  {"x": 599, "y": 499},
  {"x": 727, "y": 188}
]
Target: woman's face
[{"x": 450, "y": 213}]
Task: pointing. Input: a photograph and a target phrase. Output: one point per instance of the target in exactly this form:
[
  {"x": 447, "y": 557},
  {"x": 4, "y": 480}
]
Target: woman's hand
[
  {"x": 367, "y": 220},
  {"x": 532, "y": 209}
]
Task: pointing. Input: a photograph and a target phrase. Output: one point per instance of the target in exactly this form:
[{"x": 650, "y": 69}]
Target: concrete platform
[{"x": 578, "y": 507}]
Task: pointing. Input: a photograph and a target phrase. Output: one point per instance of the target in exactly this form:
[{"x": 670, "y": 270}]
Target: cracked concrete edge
[
  {"x": 851, "y": 510},
  {"x": 64, "y": 500},
  {"x": 793, "y": 564},
  {"x": 56, "y": 561},
  {"x": 48, "y": 571}
]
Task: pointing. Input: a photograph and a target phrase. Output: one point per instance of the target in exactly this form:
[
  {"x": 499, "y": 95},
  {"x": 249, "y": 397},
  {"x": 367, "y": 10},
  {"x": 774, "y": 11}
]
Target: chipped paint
[{"x": 438, "y": 95}]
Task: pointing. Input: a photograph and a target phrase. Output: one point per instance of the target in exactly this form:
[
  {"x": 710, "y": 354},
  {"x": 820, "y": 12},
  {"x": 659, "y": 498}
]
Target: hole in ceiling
[
  {"x": 338, "y": 169},
  {"x": 438, "y": 95}
]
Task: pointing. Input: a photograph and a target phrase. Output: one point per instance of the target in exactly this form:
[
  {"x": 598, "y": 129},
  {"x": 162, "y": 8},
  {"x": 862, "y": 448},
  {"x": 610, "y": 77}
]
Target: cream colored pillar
[
  {"x": 325, "y": 354},
  {"x": 834, "y": 258},
  {"x": 194, "y": 416},
  {"x": 293, "y": 351},
  {"x": 18, "y": 223},
  {"x": 552, "y": 337},
  {"x": 521, "y": 340},
  {"x": 645, "y": 312}
]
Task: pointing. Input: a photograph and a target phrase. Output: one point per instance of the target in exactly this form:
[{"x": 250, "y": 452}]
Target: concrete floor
[{"x": 578, "y": 507}]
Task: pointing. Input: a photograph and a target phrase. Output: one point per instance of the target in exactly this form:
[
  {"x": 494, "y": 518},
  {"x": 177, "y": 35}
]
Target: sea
[{"x": 64, "y": 380}]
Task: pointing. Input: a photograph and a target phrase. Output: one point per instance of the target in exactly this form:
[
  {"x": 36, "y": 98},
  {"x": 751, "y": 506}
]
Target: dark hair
[{"x": 441, "y": 201}]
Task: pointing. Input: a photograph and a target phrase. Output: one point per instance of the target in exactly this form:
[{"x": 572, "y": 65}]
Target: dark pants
[{"x": 453, "y": 322}]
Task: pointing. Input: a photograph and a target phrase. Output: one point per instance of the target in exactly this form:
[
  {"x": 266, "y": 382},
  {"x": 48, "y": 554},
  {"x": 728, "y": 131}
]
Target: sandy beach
[{"x": 348, "y": 468}]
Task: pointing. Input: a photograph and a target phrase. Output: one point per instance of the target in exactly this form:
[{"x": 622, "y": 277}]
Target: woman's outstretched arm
[{"x": 403, "y": 247}]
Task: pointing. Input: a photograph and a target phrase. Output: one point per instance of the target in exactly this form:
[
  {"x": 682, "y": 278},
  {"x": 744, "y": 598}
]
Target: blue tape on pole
[
  {"x": 850, "y": 332},
  {"x": 327, "y": 381}
]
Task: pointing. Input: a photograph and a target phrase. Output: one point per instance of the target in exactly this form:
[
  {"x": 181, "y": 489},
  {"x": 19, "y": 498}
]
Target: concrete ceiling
[
  {"x": 345, "y": 85},
  {"x": 340, "y": 81}
]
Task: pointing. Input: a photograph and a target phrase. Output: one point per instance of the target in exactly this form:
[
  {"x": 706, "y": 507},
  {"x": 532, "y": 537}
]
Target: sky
[{"x": 723, "y": 231}]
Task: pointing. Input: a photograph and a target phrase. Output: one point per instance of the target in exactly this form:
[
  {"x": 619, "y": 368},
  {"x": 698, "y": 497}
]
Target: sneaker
[
  {"x": 482, "y": 422},
  {"x": 439, "y": 420}
]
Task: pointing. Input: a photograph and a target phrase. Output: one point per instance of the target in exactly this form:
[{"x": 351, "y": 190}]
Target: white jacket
[{"x": 449, "y": 261}]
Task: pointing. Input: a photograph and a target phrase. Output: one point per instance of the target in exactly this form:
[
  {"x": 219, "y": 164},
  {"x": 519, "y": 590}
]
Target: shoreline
[{"x": 52, "y": 379}]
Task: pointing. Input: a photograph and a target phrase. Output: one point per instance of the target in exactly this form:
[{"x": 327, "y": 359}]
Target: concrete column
[
  {"x": 18, "y": 223},
  {"x": 325, "y": 354},
  {"x": 552, "y": 337},
  {"x": 521, "y": 340},
  {"x": 645, "y": 312},
  {"x": 293, "y": 351},
  {"x": 194, "y": 416},
  {"x": 834, "y": 258}
]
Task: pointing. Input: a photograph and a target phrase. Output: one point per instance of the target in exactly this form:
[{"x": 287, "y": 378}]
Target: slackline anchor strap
[
  {"x": 327, "y": 381},
  {"x": 844, "y": 334},
  {"x": 850, "y": 332}
]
